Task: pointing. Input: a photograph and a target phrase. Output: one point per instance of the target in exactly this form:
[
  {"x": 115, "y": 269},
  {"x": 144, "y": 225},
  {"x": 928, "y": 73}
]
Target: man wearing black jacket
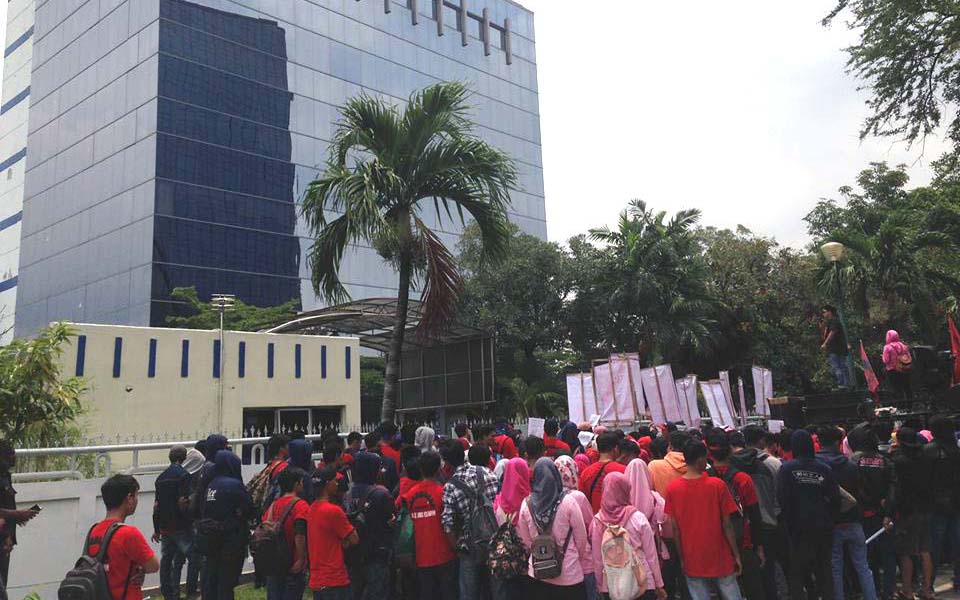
[
  {"x": 907, "y": 510},
  {"x": 171, "y": 527},
  {"x": 744, "y": 493},
  {"x": 875, "y": 472},
  {"x": 942, "y": 457},
  {"x": 848, "y": 537},
  {"x": 809, "y": 504}
]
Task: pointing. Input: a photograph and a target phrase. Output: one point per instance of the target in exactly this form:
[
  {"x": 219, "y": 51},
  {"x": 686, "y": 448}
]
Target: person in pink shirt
[
  {"x": 569, "y": 476},
  {"x": 616, "y": 510},
  {"x": 897, "y": 364},
  {"x": 647, "y": 501},
  {"x": 551, "y": 509}
]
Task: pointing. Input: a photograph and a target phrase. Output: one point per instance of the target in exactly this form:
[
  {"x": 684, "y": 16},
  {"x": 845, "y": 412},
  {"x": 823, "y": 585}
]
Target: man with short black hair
[
  {"x": 291, "y": 585},
  {"x": 10, "y": 516},
  {"x": 370, "y": 580},
  {"x": 463, "y": 434},
  {"x": 700, "y": 508},
  {"x": 501, "y": 444},
  {"x": 435, "y": 558},
  {"x": 552, "y": 445},
  {"x": 479, "y": 455},
  {"x": 533, "y": 449},
  {"x": 328, "y": 533},
  {"x": 835, "y": 345},
  {"x": 467, "y": 486},
  {"x": 591, "y": 480},
  {"x": 354, "y": 442},
  {"x": 629, "y": 450},
  {"x": 128, "y": 554},
  {"x": 662, "y": 472},
  {"x": 762, "y": 468},
  {"x": 171, "y": 527}
]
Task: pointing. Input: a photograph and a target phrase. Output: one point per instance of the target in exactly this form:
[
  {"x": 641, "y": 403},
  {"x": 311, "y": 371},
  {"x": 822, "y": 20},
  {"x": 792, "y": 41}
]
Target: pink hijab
[
  {"x": 515, "y": 488},
  {"x": 641, "y": 494},
  {"x": 615, "y": 507},
  {"x": 569, "y": 473},
  {"x": 582, "y": 460}
]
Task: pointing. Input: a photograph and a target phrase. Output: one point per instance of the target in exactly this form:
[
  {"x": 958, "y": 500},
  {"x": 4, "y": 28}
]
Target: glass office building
[{"x": 153, "y": 144}]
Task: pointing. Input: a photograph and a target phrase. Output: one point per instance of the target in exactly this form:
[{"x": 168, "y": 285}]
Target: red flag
[
  {"x": 872, "y": 383},
  {"x": 955, "y": 345}
]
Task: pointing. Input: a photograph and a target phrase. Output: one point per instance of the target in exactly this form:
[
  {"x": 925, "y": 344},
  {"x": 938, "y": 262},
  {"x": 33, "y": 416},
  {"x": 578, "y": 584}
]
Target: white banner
[
  {"x": 603, "y": 388},
  {"x": 576, "y": 406},
  {"x": 627, "y": 409},
  {"x": 633, "y": 370},
  {"x": 687, "y": 393},
  {"x": 727, "y": 391},
  {"x": 717, "y": 405},
  {"x": 660, "y": 390},
  {"x": 762, "y": 390},
  {"x": 743, "y": 402}
]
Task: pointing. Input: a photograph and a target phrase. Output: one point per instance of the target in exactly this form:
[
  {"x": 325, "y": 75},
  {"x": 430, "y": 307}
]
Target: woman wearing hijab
[
  {"x": 513, "y": 491},
  {"x": 616, "y": 511},
  {"x": 583, "y": 461},
  {"x": 568, "y": 435},
  {"x": 551, "y": 509},
  {"x": 897, "y": 362},
  {"x": 570, "y": 477},
  {"x": 500, "y": 469},
  {"x": 642, "y": 496},
  {"x": 423, "y": 438}
]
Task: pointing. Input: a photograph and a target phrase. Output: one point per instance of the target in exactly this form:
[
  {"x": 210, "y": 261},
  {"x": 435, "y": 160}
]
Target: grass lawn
[{"x": 248, "y": 592}]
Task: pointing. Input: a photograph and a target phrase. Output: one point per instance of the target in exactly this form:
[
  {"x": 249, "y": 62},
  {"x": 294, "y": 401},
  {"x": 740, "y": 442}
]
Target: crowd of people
[{"x": 580, "y": 513}]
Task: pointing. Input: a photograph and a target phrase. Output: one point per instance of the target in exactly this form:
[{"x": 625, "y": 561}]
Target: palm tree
[
  {"x": 385, "y": 168},
  {"x": 660, "y": 283}
]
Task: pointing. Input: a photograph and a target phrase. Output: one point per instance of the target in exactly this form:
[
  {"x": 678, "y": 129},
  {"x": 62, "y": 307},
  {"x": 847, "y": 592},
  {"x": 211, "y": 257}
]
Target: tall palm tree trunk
[{"x": 391, "y": 383}]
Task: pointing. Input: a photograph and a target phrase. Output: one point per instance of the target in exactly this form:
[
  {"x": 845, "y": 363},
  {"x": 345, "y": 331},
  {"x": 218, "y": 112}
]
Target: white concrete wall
[
  {"x": 49, "y": 545},
  {"x": 169, "y": 403}
]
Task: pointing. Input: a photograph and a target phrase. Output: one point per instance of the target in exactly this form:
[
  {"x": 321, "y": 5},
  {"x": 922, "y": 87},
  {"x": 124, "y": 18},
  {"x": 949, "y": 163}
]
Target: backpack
[
  {"x": 356, "y": 555},
  {"x": 88, "y": 578},
  {"x": 271, "y": 554},
  {"x": 262, "y": 486},
  {"x": 508, "y": 556},
  {"x": 405, "y": 541},
  {"x": 904, "y": 363},
  {"x": 624, "y": 573},
  {"x": 763, "y": 481},
  {"x": 736, "y": 519},
  {"x": 482, "y": 519},
  {"x": 545, "y": 558}
]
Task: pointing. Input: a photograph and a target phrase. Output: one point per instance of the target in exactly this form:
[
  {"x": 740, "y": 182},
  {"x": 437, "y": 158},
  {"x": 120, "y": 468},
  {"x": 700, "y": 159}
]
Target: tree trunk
[{"x": 391, "y": 380}]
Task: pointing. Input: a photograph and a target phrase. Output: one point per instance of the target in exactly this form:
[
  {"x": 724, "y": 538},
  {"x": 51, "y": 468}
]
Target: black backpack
[
  {"x": 88, "y": 578},
  {"x": 737, "y": 518},
  {"x": 763, "y": 479},
  {"x": 482, "y": 519},
  {"x": 268, "y": 545},
  {"x": 356, "y": 555}
]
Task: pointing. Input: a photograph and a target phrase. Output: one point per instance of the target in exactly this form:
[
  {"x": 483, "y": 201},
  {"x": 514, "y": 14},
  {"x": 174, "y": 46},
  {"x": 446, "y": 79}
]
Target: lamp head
[{"x": 832, "y": 251}]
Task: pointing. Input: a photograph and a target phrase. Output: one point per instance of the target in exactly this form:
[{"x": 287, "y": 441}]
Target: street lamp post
[
  {"x": 833, "y": 252},
  {"x": 221, "y": 303}
]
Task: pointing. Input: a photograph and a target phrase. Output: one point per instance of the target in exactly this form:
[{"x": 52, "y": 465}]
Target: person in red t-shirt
[
  {"x": 463, "y": 435},
  {"x": 551, "y": 444},
  {"x": 745, "y": 495},
  {"x": 128, "y": 554},
  {"x": 387, "y": 446},
  {"x": 436, "y": 560},
  {"x": 501, "y": 445},
  {"x": 291, "y": 586},
  {"x": 700, "y": 509},
  {"x": 328, "y": 533},
  {"x": 591, "y": 480}
]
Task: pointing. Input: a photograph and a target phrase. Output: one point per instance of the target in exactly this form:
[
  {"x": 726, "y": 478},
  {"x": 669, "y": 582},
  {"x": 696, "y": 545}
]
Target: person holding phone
[{"x": 10, "y": 516}]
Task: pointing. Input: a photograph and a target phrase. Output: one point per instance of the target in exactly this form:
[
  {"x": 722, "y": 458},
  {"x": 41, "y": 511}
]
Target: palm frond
[{"x": 442, "y": 282}]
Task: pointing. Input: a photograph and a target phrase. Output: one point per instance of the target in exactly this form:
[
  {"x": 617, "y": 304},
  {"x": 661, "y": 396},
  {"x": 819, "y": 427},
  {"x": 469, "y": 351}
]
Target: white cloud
[{"x": 740, "y": 109}]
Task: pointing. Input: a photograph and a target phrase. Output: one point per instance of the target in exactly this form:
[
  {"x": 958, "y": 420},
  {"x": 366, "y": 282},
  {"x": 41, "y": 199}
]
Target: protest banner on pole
[{"x": 762, "y": 390}]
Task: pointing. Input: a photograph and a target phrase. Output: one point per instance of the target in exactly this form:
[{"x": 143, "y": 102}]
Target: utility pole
[{"x": 221, "y": 303}]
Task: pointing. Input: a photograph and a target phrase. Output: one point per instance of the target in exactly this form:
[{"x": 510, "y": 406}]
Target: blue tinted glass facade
[{"x": 225, "y": 215}]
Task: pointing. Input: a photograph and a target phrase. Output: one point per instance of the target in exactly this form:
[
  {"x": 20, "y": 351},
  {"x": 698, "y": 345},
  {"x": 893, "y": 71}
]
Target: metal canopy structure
[
  {"x": 373, "y": 321},
  {"x": 451, "y": 370}
]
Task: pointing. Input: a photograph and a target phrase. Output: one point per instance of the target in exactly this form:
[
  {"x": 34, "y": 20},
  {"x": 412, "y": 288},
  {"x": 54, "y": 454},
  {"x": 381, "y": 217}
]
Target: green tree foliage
[
  {"x": 243, "y": 317},
  {"x": 388, "y": 168},
  {"x": 643, "y": 287},
  {"x": 901, "y": 263},
  {"x": 907, "y": 57},
  {"x": 534, "y": 401},
  {"x": 38, "y": 407}
]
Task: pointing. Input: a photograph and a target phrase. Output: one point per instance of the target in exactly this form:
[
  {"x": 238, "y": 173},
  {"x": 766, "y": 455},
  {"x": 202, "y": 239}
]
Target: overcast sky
[{"x": 741, "y": 109}]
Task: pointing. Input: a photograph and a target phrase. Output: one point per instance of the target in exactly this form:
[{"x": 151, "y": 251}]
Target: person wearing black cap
[
  {"x": 907, "y": 511},
  {"x": 809, "y": 499}
]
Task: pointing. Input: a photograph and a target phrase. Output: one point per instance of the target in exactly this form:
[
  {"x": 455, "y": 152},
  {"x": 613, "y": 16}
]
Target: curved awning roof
[{"x": 373, "y": 320}]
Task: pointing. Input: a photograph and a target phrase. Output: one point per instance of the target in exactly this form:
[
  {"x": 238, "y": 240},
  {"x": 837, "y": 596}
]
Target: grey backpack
[{"x": 88, "y": 579}]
